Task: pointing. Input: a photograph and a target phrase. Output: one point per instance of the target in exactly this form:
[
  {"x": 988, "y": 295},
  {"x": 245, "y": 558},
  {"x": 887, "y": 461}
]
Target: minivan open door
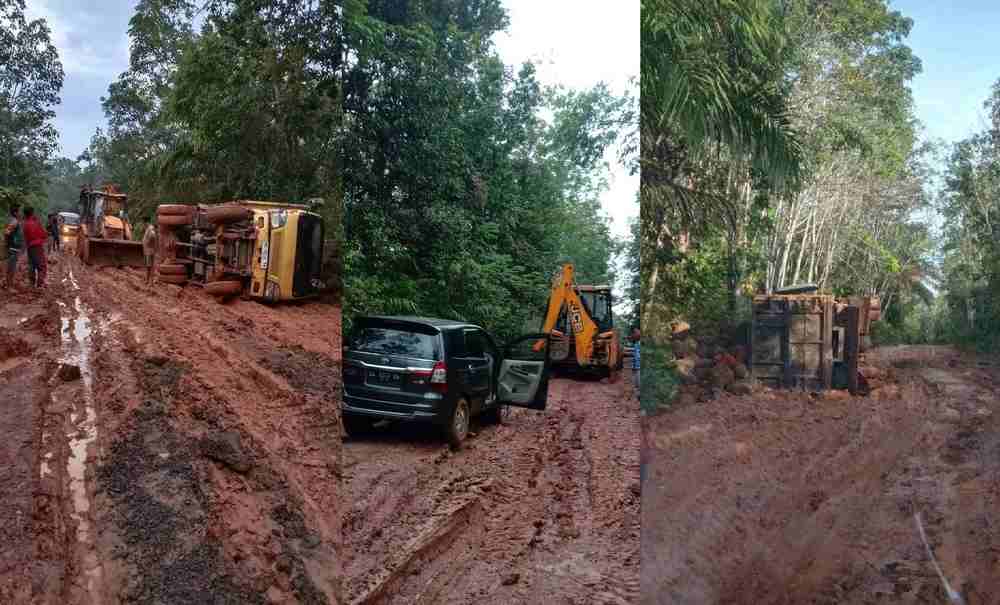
[{"x": 524, "y": 372}]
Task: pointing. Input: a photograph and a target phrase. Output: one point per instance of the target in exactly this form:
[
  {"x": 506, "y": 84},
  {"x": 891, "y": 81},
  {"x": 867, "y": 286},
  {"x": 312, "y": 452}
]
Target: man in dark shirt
[
  {"x": 13, "y": 242},
  {"x": 54, "y": 232}
]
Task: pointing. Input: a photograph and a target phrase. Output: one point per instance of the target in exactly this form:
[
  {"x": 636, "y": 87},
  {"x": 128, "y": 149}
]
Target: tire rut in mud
[{"x": 530, "y": 485}]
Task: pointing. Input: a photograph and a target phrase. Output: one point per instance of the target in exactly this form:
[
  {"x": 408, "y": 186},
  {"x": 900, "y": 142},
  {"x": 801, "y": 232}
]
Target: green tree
[{"x": 31, "y": 77}]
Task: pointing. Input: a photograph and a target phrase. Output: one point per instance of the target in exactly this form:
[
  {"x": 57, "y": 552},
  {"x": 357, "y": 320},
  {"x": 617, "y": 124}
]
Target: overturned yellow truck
[{"x": 270, "y": 251}]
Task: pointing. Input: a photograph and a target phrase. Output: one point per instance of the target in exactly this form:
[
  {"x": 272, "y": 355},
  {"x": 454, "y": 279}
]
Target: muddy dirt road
[
  {"x": 784, "y": 498},
  {"x": 541, "y": 509},
  {"x": 193, "y": 457}
]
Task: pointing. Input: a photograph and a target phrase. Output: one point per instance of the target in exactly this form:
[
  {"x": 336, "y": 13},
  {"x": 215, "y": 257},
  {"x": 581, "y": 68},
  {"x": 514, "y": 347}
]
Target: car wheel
[
  {"x": 494, "y": 415},
  {"x": 458, "y": 425},
  {"x": 356, "y": 425}
]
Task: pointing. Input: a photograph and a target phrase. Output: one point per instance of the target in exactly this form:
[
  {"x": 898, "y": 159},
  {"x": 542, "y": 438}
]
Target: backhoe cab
[
  {"x": 580, "y": 322},
  {"x": 104, "y": 235},
  {"x": 264, "y": 250}
]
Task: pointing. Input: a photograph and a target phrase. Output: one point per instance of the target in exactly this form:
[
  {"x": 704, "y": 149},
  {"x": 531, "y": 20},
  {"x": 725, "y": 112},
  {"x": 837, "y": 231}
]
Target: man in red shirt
[{"x": 35, "y": 238}]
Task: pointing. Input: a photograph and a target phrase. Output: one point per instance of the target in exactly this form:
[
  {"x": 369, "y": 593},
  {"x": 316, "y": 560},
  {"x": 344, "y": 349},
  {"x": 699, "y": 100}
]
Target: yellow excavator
[
  {"x": 104, "y": 235},
  {"x": 580, "y": 323}
]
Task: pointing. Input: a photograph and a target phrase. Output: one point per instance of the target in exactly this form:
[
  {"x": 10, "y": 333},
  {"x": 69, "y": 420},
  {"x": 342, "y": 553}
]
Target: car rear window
[{"x": 391, "y": 341}]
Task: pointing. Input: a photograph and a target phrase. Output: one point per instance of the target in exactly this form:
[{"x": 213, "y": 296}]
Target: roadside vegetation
[
  {"x": 31, "y": 77},
  {"x": 780, "y": 146},
  {"x": 467, "y": 181}
]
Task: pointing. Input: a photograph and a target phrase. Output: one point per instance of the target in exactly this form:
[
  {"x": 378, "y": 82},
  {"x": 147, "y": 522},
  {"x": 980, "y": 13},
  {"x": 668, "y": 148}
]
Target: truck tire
[
  {"x": 172, "y": 269},
  {"x": 458, "y": 424},
  {"x": 174, "y": 220},
  {"x": 224, "y": 288},
  {"x": 173, "y": 210},
  {"x": 221, "y": 215},
  {"x": 173, "y": 279}
]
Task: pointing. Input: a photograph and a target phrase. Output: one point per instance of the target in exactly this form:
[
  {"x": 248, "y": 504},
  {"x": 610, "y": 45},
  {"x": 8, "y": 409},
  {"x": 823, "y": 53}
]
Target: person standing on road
[
  {"x": 14, "y": 242},
  {"x": 54, "y": 232},
  {"x": 149, "y": 247},
  {"x": 636, "y": 355},
  {"x": 35, "y": 238}
]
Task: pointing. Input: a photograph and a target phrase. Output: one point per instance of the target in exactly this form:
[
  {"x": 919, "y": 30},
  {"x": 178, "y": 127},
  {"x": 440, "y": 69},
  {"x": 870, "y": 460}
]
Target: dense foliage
[
  {"x": 31, "y": 77},
  {"x": 971, "y": 207},
  {"x": 779, "y": 147},
  {"x": 466, "y": 181}
]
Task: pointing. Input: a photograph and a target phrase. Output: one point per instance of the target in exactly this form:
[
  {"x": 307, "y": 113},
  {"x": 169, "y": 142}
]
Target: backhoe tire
[
  {"x": 356, "y": 426},
  {"x": 179, "y": 280},
  {"x": 222, "y": 215},
  {"x": 458, "y": 425},
  {"x": 223, "y": 289},
  {"x": 174, "y": 220},
  {"x": 172, "y": 269},
  {"x": 173, "y": 210}
]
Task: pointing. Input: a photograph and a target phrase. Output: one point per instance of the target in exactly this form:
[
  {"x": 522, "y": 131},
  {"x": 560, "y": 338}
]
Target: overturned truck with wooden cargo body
[
  {"x": 264, "y": 250},
  {"x": 804, "y": 340}
]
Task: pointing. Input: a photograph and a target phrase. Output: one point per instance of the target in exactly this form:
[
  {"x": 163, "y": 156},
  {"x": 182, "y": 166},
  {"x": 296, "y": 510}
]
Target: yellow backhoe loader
[
  {"x": 104, "y": 236},
  {"x": 581, "y": 324}
]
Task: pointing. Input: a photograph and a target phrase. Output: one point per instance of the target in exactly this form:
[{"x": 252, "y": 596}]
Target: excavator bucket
[{"x": 113, "y": 253}]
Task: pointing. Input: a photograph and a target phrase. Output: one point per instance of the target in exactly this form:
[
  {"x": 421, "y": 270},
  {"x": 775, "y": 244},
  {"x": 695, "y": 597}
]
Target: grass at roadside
[{"x": 659, "y": 380}]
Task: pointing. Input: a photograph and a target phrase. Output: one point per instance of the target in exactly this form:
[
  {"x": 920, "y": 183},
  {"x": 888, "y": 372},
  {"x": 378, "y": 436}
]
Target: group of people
[{"x": 27, "y": 234}]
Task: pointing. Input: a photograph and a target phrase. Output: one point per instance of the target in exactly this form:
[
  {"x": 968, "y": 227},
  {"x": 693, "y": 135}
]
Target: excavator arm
[{"x": 583, "y": 327}]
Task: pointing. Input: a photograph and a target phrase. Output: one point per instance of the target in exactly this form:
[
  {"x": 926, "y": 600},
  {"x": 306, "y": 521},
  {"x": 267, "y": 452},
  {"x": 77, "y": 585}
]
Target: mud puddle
[{"x": 76, "y": 341}]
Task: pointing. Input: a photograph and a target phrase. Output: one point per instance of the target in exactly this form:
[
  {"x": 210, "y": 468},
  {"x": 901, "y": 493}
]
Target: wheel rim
[{"x": 461, "y": 421}]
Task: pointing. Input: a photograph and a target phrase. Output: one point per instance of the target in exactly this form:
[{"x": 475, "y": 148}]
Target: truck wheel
[
  {"x": 174, "y": 220},
  {"x": 224, "y": 288},
  {"x": 221, "y": 215},
  {"x": 355, "y": 426},
  {"x": 171, "y": 269},
  {"x": 173, "y": 210},
  {"x": 458, "y": 425},
  {"x": 173, "y": 279}
]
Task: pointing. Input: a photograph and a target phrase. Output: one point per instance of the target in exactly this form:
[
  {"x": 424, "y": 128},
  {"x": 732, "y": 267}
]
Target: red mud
[
  {"x": 193, "y": 462},
  {"x": 780, "y": 497},
  {"x": 541, "y": 509}
]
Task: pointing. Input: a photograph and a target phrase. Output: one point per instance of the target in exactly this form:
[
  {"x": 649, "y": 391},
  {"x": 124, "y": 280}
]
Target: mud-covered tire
[
  {"x": 173, "y": 210},
  {"x": 457, "y": 428},
  {"x": 222, "y": 215},
  {"x": 356, "y": 426},
  {"x": 179, "y": 280},
  {"x": 224, "y": 288},
  {"x": 172, "y": 269},
  {"x": 494, "y": 415},
  {"x": 174, "y": 220}
]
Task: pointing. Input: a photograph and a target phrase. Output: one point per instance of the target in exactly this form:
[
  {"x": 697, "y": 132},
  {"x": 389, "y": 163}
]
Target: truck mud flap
[{"x": 114, "y": 253}]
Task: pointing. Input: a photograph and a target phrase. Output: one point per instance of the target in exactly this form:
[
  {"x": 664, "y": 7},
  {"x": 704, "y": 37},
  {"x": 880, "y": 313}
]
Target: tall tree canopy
[
  {"x": 31, "y": 77},
  {"x": 779, "y": 146},
  {"x": 466, "y": 182}
]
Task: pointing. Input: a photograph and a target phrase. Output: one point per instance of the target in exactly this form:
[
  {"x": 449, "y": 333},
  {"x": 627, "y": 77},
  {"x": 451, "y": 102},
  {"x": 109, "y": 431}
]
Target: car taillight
[{"x": 437, "y": 377}]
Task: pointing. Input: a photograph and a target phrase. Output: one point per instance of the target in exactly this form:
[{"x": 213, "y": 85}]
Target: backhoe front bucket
[{"x": 114, "y": 253}]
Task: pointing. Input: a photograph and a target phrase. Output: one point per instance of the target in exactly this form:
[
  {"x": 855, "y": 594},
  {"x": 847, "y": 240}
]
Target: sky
[
  {"x": 92, "y": 39},
  {"x": 957, "y": 42}
]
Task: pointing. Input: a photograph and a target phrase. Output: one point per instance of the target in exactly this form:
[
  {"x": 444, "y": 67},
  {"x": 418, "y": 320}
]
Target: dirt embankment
[
  {"x": 541, "y": 509},
  {"x": 196, "y": 456},
  {"x": 778, "y": 497}
]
